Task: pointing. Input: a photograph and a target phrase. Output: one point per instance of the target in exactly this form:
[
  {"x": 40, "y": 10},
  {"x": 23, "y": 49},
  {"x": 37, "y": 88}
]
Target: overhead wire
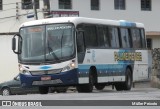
[
  {"x": 8, "y": 9},
  {"x": 18, "y": 15},
  {"x": 12, "y": 26},
  {"x": 14, "y": 8},
  {"x": 6, "y": 20}
]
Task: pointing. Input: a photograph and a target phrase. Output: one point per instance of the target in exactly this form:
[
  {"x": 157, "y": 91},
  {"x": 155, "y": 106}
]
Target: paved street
[{"x": 142, "y": 91}]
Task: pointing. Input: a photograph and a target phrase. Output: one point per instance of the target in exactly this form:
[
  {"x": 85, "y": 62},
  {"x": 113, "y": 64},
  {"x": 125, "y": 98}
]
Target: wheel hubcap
[{"x": 5, "y": 92}]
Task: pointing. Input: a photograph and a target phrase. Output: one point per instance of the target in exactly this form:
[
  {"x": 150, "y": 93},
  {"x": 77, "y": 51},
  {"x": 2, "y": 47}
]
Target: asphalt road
[{"x": 142, "y": 91}]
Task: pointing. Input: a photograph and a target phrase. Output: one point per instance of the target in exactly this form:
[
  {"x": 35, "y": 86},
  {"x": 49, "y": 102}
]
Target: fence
[{"x": 155, "y": 76}]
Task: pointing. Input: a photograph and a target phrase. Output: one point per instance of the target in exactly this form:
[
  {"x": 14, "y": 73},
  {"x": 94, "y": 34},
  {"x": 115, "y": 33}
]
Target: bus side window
[
  {"x": 136, "y": 39},
  {"x": 125, "y": 38},
  {"x": 143, "y": 38},
  {"x": 80, "y": 46},
  {"x": 100, "y": 36},
  {"x": 90, "y": 36},
  {"x": 114, "y": 39},
  {"x": 80, "y": 42},
  {"x": 106, "y": 37}
]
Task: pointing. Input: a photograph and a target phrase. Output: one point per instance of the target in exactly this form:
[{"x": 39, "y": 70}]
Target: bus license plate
[{"x": 45, "y": 78}]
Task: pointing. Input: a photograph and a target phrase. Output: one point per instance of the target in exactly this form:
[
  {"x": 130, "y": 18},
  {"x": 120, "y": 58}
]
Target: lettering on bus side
[{"x": 127, "y": 56}]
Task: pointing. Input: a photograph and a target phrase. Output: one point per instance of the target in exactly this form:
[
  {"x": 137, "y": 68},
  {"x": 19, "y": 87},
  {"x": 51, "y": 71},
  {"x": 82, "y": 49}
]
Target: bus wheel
[
  {"x": 86, "y": 87},
  {"x": 128, "y": 82},
  {"x": 100, "y": 86},
  {"x": 89, "y": 87},
  {"x": 43, "y": 90}
]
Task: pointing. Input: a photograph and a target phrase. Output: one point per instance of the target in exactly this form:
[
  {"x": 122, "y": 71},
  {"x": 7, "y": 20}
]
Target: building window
[
  {"x": 94, "y": 4},
  {"x": 46, "y": 4},
  {"x": 149, "y": 43},
  {"x": 146, "y": 5},
  {"x": 27, "y": 4},
  {"x": 119, "y": 4},
  {"x": 65, "y": 4},
  {"x": 1, "y": 5}
]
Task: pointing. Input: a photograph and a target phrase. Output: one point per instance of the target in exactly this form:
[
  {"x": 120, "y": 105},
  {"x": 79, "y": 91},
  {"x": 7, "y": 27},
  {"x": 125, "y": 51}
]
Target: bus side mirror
[{"x": 16, "y": 45}]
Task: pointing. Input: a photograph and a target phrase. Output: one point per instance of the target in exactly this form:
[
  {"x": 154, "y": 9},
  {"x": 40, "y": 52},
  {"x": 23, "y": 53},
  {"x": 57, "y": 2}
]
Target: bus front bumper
[{"x": 62, "y": 79}]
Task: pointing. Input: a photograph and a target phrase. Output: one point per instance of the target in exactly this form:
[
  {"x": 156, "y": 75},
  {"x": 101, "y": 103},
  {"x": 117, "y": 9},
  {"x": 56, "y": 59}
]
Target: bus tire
[
  {"x": 100, "y": 86},
  {"x": 86, "y": 87},
  {"x": 128, "y": 82},
  {"x": 43, "y": 90}
]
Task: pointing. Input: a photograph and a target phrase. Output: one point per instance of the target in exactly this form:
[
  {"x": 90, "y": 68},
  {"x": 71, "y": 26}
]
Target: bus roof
[{"x": 78, "y": 20}]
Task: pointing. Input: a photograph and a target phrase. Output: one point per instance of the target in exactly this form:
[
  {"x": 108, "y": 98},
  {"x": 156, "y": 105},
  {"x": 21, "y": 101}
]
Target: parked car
[{"x": 13, "y": 87}]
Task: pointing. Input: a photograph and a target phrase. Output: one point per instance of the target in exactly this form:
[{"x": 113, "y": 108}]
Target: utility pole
[{"x": 35, "y": 10}]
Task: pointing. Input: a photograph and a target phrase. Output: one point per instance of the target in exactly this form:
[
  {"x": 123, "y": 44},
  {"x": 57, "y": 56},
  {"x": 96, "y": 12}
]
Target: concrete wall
[
  {"x": 132, "y": 13},
  {"x": 156, "y": 42},
  {"x": 8, "y": 60}
]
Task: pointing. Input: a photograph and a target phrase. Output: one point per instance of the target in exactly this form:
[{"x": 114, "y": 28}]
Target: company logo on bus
[
  {"x": 46, "y": 67},
  {"x": 128, "y": 56}
]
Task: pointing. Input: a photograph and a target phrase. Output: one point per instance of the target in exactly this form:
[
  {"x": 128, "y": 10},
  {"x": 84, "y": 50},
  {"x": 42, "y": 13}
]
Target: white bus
[{"x": 81, "y": 52}]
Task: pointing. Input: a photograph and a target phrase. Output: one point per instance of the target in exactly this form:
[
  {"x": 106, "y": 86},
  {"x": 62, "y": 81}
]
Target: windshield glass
[{"x": 47, "y": 43}]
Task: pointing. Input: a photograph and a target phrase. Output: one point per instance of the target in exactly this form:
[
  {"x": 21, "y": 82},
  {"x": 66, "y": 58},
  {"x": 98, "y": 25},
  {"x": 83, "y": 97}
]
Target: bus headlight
[{"x": 69, "y": 67}]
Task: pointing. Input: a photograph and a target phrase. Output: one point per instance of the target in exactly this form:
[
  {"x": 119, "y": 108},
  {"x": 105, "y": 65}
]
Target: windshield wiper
[
  {"x": 51, "y": 52},
  {"x": 61, "y": 41}
]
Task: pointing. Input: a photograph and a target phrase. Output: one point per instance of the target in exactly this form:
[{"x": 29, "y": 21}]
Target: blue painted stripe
[
  {"x": 126, "y": 23},
  {"x": 103, "y": 66}
]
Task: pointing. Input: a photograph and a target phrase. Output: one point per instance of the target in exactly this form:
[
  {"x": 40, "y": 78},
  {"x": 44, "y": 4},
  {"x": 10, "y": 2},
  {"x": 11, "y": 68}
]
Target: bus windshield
[{"x": 49, "y": 43}]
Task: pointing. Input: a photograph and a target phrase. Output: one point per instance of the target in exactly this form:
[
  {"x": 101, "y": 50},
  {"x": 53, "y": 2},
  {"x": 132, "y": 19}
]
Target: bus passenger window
[
  {"x": 136, "y": 39},
  {"x": 114, "y": 39},
  {"x": 125, "y": 38},
  {"x": 80, "y": 46},
  {"x": 80, "y": 42},
  {"x": 90, "y": 36},
  {"x": 100, "y": 36},
  {"x": 143, "y": 38},
  {"x": 106, "y": 37}
]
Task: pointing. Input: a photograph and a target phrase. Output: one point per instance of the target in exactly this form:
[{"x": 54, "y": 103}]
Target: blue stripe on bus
[
  {"x": 125, "y": 23},
  {"x": 102, "y": 66},
  {"x": 103, "y": 69}
]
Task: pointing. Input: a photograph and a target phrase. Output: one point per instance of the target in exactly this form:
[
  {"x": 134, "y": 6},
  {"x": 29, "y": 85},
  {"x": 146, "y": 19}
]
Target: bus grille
[
  {"x": 57, "y": 81},
  {"x": 55, "y": 71}
]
